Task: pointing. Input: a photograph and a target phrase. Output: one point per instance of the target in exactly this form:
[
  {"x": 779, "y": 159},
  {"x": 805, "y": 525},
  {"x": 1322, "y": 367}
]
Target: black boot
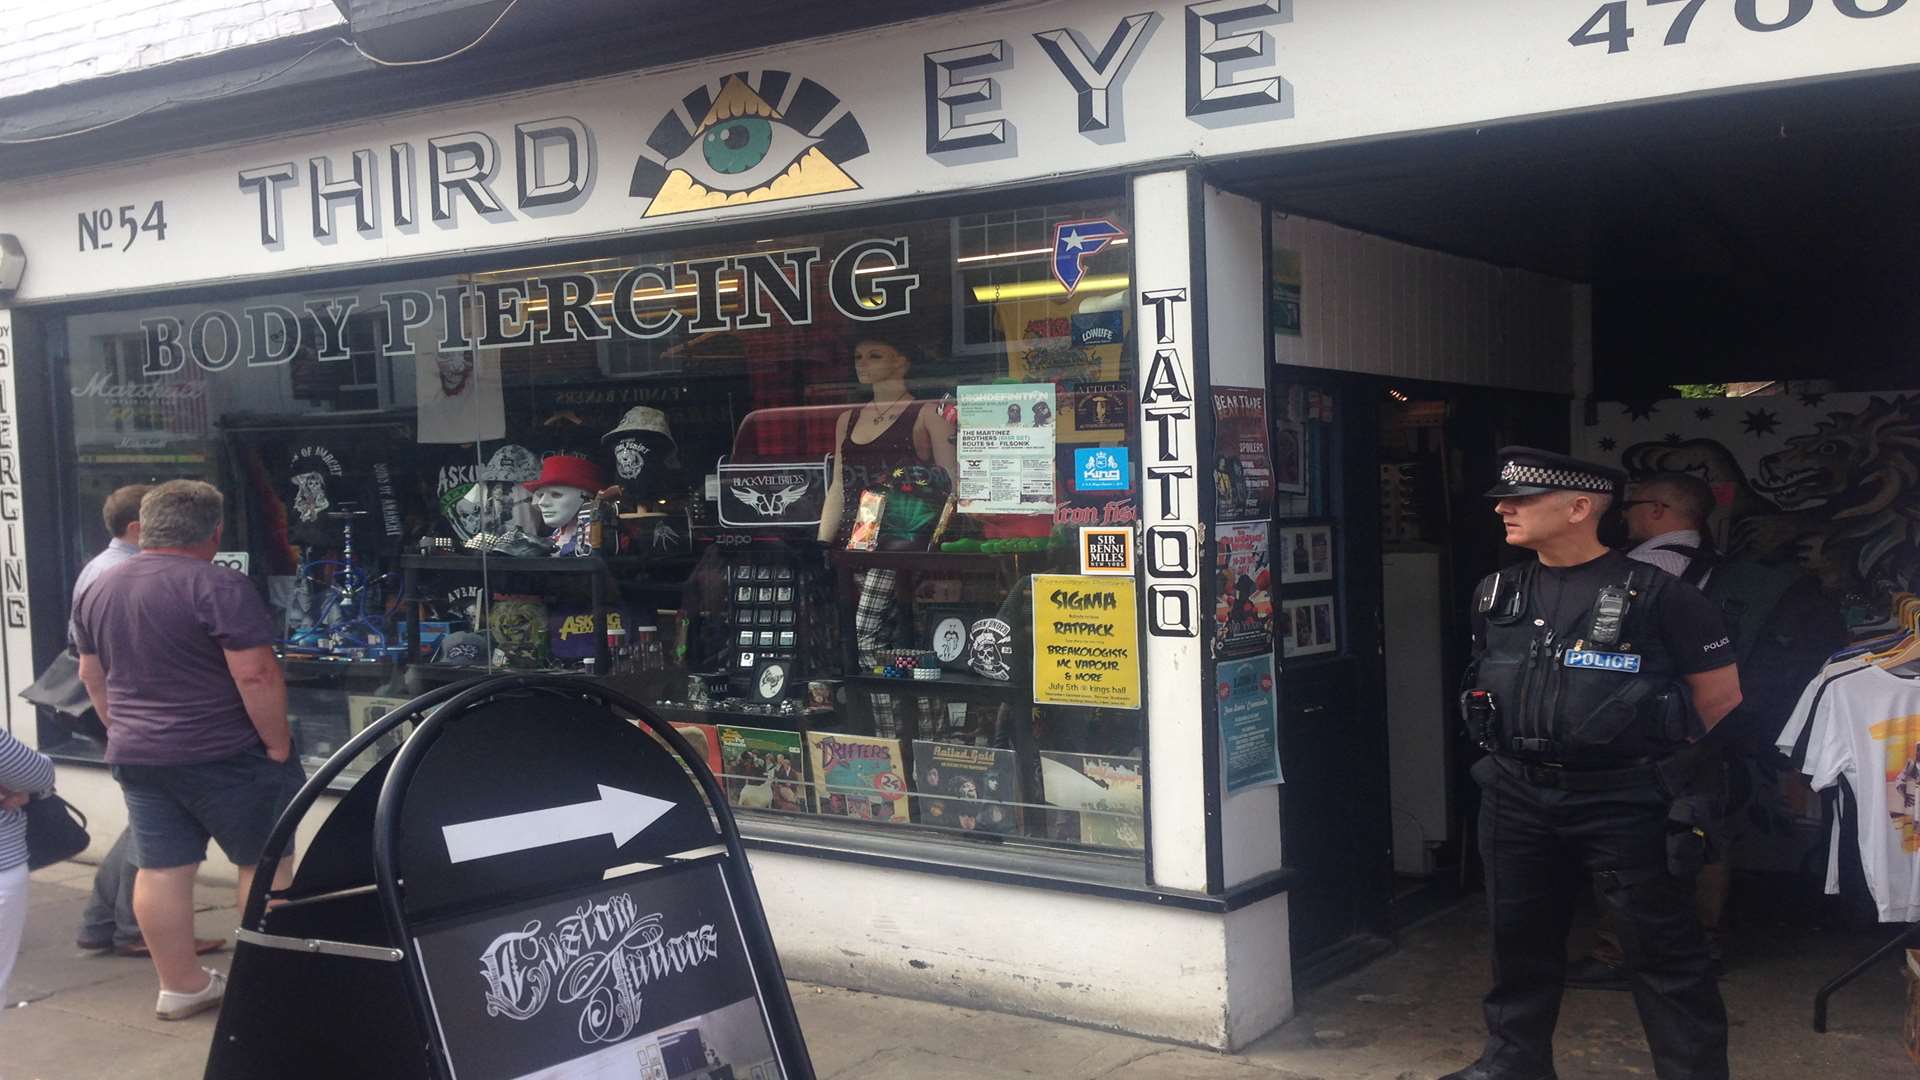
[
  {"x": 1593, "y": 973},
  {"x": 1481, "y": 1071}
]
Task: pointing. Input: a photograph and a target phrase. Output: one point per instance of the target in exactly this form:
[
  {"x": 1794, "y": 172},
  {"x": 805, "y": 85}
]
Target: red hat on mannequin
[{"x": 565, "y": 470}]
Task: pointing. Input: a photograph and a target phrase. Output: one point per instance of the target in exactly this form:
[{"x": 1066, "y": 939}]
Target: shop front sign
[
  {"x": 869, "y": 280},
  {"x": 939, "y": 104},
  {"x": 13, "y": 549}
]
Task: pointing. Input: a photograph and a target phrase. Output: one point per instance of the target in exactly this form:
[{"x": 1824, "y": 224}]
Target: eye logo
[{"x": 752, "y": 142}]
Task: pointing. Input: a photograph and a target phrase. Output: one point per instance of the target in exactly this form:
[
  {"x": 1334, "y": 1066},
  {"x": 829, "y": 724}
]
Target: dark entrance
[{"x": 1763, "y": 235}]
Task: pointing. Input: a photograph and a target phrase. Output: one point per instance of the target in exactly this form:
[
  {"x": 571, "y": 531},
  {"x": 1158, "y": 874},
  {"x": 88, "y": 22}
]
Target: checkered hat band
[{"x": 1568, "y": 479}]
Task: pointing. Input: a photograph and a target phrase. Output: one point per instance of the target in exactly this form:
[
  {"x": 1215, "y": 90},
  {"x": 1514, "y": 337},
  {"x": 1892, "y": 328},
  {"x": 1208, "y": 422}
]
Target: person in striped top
[{"x": 24, "y": 771}]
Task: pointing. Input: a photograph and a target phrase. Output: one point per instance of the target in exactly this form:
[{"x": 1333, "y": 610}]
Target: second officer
[{"x": 1593, "y": 676}]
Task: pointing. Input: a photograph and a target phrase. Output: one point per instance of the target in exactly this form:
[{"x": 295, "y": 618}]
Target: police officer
[{"x": 1592, "y": 676}]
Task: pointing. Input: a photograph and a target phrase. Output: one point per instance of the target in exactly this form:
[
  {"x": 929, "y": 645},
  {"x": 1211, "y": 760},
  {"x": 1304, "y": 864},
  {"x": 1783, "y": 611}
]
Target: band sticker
[{"x": 1628, "y": 663}]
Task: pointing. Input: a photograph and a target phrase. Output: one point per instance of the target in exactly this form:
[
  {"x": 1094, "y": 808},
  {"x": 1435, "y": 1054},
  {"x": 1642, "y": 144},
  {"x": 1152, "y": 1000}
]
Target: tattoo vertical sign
[
  {"x": 1170, "y": 516},
  {"x": 13, "y": 548}
]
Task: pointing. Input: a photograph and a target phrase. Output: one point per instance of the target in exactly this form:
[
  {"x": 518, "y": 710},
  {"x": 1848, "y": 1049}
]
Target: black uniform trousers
[{"x": 1543, "y": 843}]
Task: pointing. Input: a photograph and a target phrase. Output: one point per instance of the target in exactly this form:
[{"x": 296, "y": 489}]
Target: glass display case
[{"x": 791, "y": 491}]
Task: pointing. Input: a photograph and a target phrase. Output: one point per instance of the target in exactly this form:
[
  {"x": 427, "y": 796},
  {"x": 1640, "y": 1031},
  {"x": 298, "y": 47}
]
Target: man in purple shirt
[
  {"x": 177, "y": 656},
  {"x": 108, "y": 922}
]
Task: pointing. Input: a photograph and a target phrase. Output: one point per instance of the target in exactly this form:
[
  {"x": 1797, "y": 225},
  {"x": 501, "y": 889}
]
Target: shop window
[{"x": 791, "y": 492}]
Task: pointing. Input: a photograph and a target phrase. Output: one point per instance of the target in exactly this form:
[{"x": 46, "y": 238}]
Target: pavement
[{"x": 1409, "y": 1015}]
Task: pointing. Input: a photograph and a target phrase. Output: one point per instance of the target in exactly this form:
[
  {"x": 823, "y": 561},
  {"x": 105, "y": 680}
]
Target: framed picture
[
  {"x": 1305, "y": 554},
  {"x": 944, "y": 632},
  {"x": 1308, "y": 627},
  {"x": 1289, "y": 456}
]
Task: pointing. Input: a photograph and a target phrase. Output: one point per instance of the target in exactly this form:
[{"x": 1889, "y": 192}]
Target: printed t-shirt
[
  {"x": 1867, "y": 732},
  {"x": 1795, "y": 739},
  {"x": 161, "y": 626}
]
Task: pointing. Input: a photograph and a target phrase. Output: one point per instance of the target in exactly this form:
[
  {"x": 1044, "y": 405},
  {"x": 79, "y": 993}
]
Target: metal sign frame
[{"x": 250, "y": 1033}]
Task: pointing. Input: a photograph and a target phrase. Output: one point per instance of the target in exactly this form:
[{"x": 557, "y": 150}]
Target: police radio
[
  {"x": 1501, "y": 602},
  {"x": 1610, "y": 614}
]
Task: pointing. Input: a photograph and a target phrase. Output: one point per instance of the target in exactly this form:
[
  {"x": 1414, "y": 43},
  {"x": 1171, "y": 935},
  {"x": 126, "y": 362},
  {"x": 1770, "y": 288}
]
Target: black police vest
[{"x": 1561, "y": 696}]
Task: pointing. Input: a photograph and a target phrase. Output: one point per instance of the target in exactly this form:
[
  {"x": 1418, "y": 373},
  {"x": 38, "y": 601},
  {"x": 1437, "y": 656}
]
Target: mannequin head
[
  {"x": 876, "y": 360},
  {"x": 565, "y": 484},
  {"x": 559, "y": 504}
]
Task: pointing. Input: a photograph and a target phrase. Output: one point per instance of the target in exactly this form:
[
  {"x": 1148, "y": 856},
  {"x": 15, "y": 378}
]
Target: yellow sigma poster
[{"x": 1086, "y": 641}]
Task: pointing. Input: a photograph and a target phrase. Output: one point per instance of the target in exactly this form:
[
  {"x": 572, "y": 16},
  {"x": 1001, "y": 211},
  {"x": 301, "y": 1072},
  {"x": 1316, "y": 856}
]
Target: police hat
[{"x": 1526, "y": 471}]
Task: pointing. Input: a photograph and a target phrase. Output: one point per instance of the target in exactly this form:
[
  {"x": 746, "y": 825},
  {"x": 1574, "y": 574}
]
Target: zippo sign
[{"x": 940, "y": 104}]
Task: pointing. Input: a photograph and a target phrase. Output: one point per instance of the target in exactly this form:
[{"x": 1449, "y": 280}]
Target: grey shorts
[{"x": 172, "y": 810}]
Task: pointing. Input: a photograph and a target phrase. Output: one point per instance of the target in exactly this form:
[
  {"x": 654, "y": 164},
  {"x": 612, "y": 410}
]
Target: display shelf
[
  {"x": 801, "y": 722},
  {"x": 515, "y": 564},
  {"x": 296, "y": 664},
  {"x": 613, "y": 565},
  {"x": 949, "y": 680},
  {"x": 929, "y": 561},
  {"x": 455, "y": 672}
]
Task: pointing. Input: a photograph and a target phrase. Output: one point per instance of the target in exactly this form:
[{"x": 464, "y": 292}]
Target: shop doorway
[
  {"x": 1758, "y": 236},
  {"x": 1377, "y": 810},
  {"x": 1437, "y": 444}
]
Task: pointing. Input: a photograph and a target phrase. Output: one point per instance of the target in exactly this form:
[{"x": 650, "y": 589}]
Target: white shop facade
[{"x": 1056, "y": 222}]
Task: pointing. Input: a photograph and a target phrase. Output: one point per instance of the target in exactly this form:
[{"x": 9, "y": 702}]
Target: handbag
[
  {"x": 56, "y": 831},
  {"x": 59, "y": 687}
]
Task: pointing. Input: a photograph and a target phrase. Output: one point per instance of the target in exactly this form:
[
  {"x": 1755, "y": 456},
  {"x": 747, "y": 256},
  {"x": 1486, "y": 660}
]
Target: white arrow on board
[{"x": 620, "y": 814}]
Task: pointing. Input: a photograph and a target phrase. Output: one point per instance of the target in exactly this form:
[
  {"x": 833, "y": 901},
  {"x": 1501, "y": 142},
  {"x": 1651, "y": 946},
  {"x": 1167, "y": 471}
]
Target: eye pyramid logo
[{"x": 752, "y": 142}]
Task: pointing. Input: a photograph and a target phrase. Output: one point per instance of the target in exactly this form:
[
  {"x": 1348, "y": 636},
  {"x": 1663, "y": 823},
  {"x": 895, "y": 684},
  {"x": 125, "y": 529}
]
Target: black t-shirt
[{"x": 1689, "y": 625}]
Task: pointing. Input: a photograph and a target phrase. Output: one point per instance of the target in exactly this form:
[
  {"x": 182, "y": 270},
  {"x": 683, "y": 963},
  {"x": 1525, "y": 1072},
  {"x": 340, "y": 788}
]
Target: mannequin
[
  {"x": 562, "y": 489},
  {"x": 871, "y": 440}
]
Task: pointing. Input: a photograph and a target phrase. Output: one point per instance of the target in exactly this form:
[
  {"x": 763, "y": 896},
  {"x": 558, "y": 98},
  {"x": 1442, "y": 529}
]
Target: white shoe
[{"x": 176, "y": 1005}]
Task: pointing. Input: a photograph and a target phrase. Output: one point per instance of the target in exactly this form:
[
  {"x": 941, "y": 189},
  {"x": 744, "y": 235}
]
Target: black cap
[{"x": 1526, "y": 471}]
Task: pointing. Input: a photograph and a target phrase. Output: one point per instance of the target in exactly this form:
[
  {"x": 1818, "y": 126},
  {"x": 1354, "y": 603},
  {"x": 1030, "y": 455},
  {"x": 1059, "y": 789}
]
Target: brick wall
[{"x": 48, "y": 43}]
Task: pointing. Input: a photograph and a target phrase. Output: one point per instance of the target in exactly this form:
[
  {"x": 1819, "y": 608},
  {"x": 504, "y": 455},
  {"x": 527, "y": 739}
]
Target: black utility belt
[{"x": 1571, "y": 777}]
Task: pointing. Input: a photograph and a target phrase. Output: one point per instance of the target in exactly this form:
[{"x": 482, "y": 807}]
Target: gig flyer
[
  {"x": 1243, "y": 591},
  {"x": 1243, "y": 468},
  {"x": 1005, "y": 448},
  {"x": 1086, "y": 641},
  {"x": 1249, "y": 723}
]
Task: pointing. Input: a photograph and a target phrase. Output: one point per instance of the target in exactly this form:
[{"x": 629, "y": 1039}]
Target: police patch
[{"x": 1626, "y": 663}]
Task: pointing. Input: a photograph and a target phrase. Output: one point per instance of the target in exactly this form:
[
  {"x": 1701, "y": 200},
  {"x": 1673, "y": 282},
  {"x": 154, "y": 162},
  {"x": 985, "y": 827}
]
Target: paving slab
[{"x": 1410, "y": 1015}]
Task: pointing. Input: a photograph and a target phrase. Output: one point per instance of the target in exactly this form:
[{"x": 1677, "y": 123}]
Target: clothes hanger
[{"x": 1909, "y": 650}]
